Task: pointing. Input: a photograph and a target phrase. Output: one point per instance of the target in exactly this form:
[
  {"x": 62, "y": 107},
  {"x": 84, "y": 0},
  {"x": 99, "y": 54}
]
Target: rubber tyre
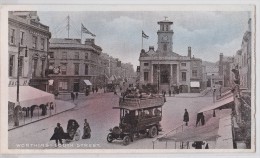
[
  {"x": 126, "y": 140},
  {"x": 109, "y": 138},
  {"x": 153, "y": 132},
  {"x": 77, "y": 136}
]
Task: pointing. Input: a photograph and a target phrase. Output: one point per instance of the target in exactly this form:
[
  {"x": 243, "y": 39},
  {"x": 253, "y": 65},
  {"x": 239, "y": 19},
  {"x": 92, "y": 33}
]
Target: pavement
[{"x": 61, "y": 106}]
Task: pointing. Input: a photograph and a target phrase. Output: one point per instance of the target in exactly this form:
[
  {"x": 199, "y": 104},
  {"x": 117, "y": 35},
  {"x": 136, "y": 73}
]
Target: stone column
[{"x": 151, "y": 74}]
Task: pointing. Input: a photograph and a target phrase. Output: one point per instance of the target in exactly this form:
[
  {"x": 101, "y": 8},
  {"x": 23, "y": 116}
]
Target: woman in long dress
[{"x": 86, "y": 130}]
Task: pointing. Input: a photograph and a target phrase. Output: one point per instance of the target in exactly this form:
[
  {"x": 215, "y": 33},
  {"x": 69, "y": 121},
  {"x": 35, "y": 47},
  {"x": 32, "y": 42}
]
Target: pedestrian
[
  {"x": 77, "y": 94},
  {"x": 86, "y": 130},
  {"x": 186, "y": 117},
  {"x": 202, "y": 119},
  {"x": 198, "y": 119},
  {"x": 170, "y": 93},
  {"x": 73, "y": 96},
  {"x": 96, "y": 89},
  {"x": 93, "y": 89},
  {"x": 58, "y": 134}
]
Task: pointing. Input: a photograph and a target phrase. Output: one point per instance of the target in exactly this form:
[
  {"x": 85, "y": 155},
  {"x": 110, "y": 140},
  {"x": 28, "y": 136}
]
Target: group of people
[
  {"x": 74, "y": 95},
  {"x": 59, "y": 133},
  {"x": 200, "y": 118},
  {"x": 94, "y": 89}
]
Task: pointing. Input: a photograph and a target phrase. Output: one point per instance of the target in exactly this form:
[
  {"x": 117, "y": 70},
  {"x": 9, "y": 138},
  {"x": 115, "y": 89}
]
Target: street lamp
[{"x": 16, "y": 114}]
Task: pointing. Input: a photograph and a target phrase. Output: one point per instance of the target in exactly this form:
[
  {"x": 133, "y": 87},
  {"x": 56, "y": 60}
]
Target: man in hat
[
  {"x": 186, "y": 117},
  {"x": 58, "y": 134}
]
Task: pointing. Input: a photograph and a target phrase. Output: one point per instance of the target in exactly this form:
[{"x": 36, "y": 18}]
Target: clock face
[{"x": 165, "y": 38}]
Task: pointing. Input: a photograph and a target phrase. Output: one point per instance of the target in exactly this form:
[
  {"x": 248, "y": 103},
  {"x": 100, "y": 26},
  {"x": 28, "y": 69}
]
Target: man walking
[
  {"x": 58, "y": 134},
  {"x": 186, "y": 117},
  {"x": 72, "y": 96}
]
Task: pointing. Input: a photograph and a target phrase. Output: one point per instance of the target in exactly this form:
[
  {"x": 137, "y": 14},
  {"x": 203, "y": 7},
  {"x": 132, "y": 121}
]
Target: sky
[{"x": 208, "y": 33}]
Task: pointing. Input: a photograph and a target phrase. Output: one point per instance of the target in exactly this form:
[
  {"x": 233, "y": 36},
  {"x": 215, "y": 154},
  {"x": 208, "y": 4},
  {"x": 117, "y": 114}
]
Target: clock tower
[{"x": 165, "y": 36}]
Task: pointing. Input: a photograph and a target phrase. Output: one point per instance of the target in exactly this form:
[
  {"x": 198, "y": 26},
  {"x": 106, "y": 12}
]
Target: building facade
[
  {"x": 25, "y": 30},
  {"x": 114, "y": 69},
  {"x": 77, "y": 62},
  {"x": 242, "y": 59},
  {"x": 225, "y": 69},
  {"x": 165, "y": 68}
]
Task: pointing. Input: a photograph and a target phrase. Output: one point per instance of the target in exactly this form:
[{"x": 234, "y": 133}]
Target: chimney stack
[
  {"x": 249, "y": 25},
  {"x": 189, "y": 52}
]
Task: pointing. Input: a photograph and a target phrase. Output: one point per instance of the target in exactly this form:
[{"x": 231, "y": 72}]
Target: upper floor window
[
  {"x": 194, "y": 73},
  {"x": 42, "y": 43},
  {"x": 34, "y": 42},
  {"x": 11, "y": 65},
  {"x": 12, "y": 36},
  {"x": 21, "y": 37},
  {"x": 76, "y": 69},
  {"x": 167, "y": 28},
  {"x": 86, "y": 56},
  {"x": 183, "y": 76},
  {"x": 86, "y": 69},
  {"x": 63, "y": 68},
  {"x": 183, "y": 64},
  {"x": 76, "y": 55},
  {"x": 165, "y": 47},
  {"x": 64, "y": 55},
  {"x": 146, "y": 64}
]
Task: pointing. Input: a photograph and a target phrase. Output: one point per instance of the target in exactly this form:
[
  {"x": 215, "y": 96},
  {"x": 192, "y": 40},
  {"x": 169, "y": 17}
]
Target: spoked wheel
[
  {"x": 153, "y": 132},
  {"x": 126, "y": 140},
  {"x": 77, "y": 136},
  {"x": 109, "y": 138}
]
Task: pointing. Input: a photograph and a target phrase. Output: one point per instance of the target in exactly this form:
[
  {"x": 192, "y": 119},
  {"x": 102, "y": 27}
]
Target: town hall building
[{"x": 167, "y": 69}]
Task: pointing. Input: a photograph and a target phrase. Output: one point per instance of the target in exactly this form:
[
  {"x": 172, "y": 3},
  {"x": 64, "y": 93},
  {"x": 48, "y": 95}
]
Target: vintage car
[{"x": 137, "y": 116}]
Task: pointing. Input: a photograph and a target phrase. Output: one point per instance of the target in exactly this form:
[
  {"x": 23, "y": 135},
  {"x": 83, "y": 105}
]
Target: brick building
[{"x": 78, "y": 63}]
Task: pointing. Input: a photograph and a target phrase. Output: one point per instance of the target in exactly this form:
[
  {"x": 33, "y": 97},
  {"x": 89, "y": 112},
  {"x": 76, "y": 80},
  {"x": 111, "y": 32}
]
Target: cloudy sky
[{"x": 119, "y": 33}]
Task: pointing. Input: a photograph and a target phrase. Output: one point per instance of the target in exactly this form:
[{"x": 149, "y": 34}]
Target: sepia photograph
[{"x": 138, "y": 79}]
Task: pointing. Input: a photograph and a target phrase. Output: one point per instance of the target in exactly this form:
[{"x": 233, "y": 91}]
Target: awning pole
[{"x": 38, "y": 113}]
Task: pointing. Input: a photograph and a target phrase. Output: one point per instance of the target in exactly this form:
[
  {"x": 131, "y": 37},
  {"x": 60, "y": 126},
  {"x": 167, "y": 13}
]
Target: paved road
[{"x": 97, "y": 108}]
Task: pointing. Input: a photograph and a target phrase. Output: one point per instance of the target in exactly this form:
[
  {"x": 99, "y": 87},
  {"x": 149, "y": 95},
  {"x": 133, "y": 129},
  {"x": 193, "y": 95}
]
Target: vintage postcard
[{"x": 142, "y": 78}]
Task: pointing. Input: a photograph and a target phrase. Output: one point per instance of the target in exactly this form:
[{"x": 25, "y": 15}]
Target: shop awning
[
  {"x": 218, "y": 104},
  {"x": 87, "y": 82},
  {"x": 29, "y": 96},
  {"x": 195, "y": 84}
]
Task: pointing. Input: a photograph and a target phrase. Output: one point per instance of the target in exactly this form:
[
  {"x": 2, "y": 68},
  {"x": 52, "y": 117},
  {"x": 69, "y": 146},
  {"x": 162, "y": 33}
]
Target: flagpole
[
  {"x": 142, "y": 40},
  {"x": 81, "y": 33}
]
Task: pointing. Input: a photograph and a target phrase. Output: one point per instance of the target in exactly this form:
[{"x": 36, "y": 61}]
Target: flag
[
  {"x": 144, "y": 35},
  {"x": 85, "y": 30}
]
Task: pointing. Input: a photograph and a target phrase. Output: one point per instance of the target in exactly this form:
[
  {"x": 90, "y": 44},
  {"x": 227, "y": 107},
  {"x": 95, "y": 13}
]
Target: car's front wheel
[
  {"x": 110, "y": 138},
  {"x": 126, "y": 140}
]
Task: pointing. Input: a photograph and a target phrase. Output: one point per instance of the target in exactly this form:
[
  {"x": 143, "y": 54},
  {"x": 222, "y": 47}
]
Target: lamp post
[{"x": 16, "y": 112}]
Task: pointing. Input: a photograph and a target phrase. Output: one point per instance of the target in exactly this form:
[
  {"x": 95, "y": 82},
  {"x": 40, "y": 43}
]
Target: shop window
[{"x": 63, "y": 85}]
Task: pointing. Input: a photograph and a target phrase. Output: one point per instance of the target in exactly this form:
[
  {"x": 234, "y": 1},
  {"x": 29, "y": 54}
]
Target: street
[{"x": 97, "y": 108}]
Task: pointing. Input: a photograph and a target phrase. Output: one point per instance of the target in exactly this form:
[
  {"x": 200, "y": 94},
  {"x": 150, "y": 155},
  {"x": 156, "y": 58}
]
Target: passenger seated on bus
[
  {"x": 150, "y": 113},
  {"x": 157, "y": 112}
]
